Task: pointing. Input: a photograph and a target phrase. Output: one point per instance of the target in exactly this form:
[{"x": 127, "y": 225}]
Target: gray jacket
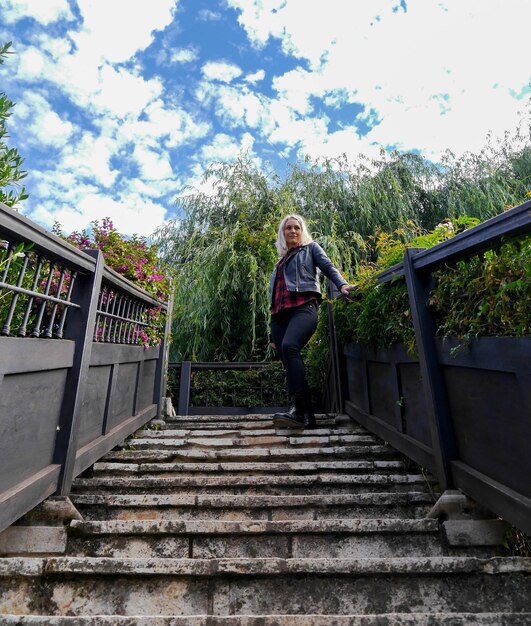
[{"x": 302, "y": 270}]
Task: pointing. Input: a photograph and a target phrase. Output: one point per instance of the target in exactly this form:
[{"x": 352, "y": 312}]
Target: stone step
[
  {"x": 387, "y": 619},
  {"x": 254, "y": 454},
  {"x": 180, "y": 587},
  {"x": 272, "y": 441},
  {"x": 170, "y": 432},
  {"x": 272, "y": 484},
  {"x": 286, "y": 468},
  {"x": 256, "y": 539},
  {"x": 250, "y": 417},
  {"x": 406, "y": 505}
]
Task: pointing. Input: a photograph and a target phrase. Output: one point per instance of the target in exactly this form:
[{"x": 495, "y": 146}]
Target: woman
[{"x": 295, "y": 294}]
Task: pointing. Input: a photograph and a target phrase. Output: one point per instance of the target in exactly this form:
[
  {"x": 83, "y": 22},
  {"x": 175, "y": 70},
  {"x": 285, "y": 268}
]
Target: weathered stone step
[
  {"x": 254, "y": 454},
  {"x": 78, "y": 586},
  {"x": 273, "y": 441},
  {"x": 273, "y": 484},
  {"x": 171, "y": 432},
  {"x": 387, "y": 619},
  {"x": 286, "y": 468},
  {"x": 255, "y": 539},
  {"x": 410, "y": 505}
]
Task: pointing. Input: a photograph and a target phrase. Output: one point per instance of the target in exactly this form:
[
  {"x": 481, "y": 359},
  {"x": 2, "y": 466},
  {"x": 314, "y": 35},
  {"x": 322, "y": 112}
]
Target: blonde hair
[{"x": 282, "y": 246}]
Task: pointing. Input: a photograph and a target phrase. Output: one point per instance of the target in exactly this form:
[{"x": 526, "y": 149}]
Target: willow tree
[
  {"x": 11, "y": 173},
  {"x": 222, "y": 246},
  {"x": 222, "y": 250}
]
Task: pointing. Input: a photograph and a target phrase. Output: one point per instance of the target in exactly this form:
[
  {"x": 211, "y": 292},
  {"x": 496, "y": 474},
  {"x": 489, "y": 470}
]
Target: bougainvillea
[{"x": 134, "y": 259}]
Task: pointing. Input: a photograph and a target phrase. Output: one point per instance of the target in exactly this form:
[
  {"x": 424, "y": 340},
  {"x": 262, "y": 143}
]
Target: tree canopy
[
  {"x": 223, "y": 245},
  {"x": 11, "y": 190}
]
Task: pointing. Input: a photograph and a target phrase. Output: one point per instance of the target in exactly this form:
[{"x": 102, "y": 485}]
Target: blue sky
[{"x": 122, "y": 104}]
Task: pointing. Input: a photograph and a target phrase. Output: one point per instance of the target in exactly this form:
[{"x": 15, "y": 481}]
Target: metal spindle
[
  {"x": 104, "y": 316},
  {"x": 37, "y": 328},
  {"x": 10, "y": 249},
  {"x": 110, "y": 319},
  {"x": 129, "y": 338},
  {"x": 137, "y": 326},
  {"x": 59, "y": 333},
  {"x": 7, "y": 326},
  {"x": 49, "y": 329},
  {"x": 127, "y": 314},
  {"x": 118, "y": 322},
  {"x": 29, "y": 304},
  {"x": 99, "y": 319}
]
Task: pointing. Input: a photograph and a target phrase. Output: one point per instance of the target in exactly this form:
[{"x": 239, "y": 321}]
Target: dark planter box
[
  {"x": 488, "y": 383},
  {"x": 386, "y": 394}
]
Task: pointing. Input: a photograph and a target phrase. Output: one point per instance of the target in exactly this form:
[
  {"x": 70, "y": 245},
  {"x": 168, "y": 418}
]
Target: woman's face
[{"x": 292, "y": 233}]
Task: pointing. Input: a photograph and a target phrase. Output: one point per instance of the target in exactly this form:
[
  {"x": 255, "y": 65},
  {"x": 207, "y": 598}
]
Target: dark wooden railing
[
  {"x": 464, "y": 414},
  {"x": 185, "y": 368},
  {"x": 73, "y": 380}
]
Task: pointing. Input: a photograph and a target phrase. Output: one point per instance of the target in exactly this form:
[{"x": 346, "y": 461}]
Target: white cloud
[
  {"x": 130, "y": 214},
  {"x": 209, "y": 16},
  {"x": 42, "y": 125},
  {"x": 226, "y": 148},
  {"x": 221, "y": 70},
  {"x": 116, "y": 30},
  {"x": 44, "y": 11},
  {"x": 256, "y": 77},
  {"x": 399, "y": 65},
  {"x": 90, "y": 158},
  {"x": 153, "y": 165},
  {"x": 184, "y": 55},
  {"x": 121, "y": 92}
]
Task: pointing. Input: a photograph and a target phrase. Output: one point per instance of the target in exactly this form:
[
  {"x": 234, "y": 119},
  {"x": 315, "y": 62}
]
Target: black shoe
[
  {"x": 309, "y": 419},
  {"x": 285, "y": 420},
  {"x": 291, "y": 410},
  {"x": 294, "y": 416}
]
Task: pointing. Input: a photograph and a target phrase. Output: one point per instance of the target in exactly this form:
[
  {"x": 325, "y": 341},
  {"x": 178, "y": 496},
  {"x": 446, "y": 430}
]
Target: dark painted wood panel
[
  {"x": 92, "y": 412},
  {"x": 26, "y": 494},
  {"x": 90, "y": 453},
  {"x": 30, "y": 406},
  {"x": 110, "y": 353},
  {"x": 28, "y": 354},
  {"x": 496, "y": 497},
  {"x": 421, "y": 454}
]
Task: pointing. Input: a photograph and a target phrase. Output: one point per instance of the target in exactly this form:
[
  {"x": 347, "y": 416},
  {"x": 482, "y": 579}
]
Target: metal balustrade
[{"x": 74, "y": 380}]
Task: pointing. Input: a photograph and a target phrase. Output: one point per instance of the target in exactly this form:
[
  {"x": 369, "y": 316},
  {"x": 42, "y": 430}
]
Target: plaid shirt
[{"x": 282, "y": 298}]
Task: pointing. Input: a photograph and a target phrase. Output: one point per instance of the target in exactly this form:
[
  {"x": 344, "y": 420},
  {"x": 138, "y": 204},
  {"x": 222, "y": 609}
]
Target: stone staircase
[{"x": 221, "y": 520}]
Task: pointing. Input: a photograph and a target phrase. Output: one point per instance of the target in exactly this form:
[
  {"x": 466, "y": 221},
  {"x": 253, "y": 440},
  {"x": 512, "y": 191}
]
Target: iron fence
[{"x": 74, "y": 379}]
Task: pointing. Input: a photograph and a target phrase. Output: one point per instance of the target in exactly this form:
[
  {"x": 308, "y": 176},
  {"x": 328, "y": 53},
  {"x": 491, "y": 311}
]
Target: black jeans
[{"x": 291, "y": 330}]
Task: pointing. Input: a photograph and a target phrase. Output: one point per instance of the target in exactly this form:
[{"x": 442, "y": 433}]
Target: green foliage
[
  {"x": 222, "y": 255},
  {"x": 134, "y": 259},
  {"x": 247, "y": 388},
  {"x": 11, "y": 190},
  {"x": 223, "y": 247},
  {"x": 517, "y": 543},
  {"x": 488, "y": 294}
]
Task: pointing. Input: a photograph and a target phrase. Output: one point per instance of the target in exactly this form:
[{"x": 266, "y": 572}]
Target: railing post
[
  {"x": 81, "y": 327},
  {"x": 443, "y": 438},
  {"x": 184, "y": 388},
  {"x": 336, "y": 405},
  {"x": 162, "y": 363}
]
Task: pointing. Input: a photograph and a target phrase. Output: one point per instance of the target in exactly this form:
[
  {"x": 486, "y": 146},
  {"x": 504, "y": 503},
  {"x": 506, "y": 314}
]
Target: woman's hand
[{"x": 346, "y": 289}]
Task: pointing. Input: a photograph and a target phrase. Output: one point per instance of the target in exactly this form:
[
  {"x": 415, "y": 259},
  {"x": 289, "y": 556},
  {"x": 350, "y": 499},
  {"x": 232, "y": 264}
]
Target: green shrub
[
  {"x": 246, "y": 388},
  {"x": 487, "y": 294}
]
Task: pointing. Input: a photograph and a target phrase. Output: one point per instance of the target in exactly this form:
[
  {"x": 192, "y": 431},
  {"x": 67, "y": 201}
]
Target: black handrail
[{"x": 417, "y": 269}]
